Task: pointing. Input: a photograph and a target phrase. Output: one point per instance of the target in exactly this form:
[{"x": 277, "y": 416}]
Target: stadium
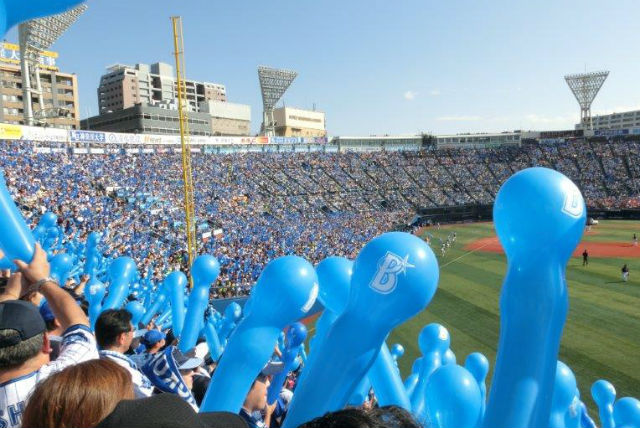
[{"x": 166, "y": 181}]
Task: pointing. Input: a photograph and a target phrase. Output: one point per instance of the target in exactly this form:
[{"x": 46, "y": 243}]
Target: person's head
[
  {"x": 53, "y": 325},
  {"x": 79, "y": 396},
  {"x": 114, "y": 330},
  {"x": 153, "y": 341},
  {"x": 167, "y": 411},
  {"x": 257, "y": 396},
  {"x": 187, "y": 364},
  {"x": 353, "y": 417},
  {"x": 22, "y": 335}
]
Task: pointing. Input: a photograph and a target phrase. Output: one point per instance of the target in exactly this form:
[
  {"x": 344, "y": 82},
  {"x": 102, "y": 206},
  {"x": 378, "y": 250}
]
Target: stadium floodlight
[
  {"x": 585, "y": 87},
  {"x": 273, "y": 84},
  {"x": 36, "y": 36}
]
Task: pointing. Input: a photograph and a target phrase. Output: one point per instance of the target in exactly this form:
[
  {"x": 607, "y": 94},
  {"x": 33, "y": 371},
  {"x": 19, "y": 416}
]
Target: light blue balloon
[
  {"x": 16, "y": 240},
  {"x": 285, "y": 292},
  {"x": 60, "y": 266},
  {"x": 232, "y": 314},
  {"x": 213, "y": 341},
  {"x": 157, "y": 305},
  {"x": 386, "y": 381},
  {"x": 176, "y": 283},
  {"x": 94, "y": 292},
  {"x": 5, "y": 263},
  {"x": 361, "y": 392},
  {"x": 604, "y": 395},
  {"x": 573, "y": 416},
  {"x": 539, "y": 216},
  {"x": 121, "y": 272},
  {"x": 394, "y": 277},
  {"x": 334, "y": 281},
  {"x": 397, "y": 351},
  {"x": 449, "y": 357},
  {"x": 410, "y": 383},
  {"x": 48, "y": 220},
  {"x": 13, "y": 12},
  {"x": 296, "y": 335},
  {"x": 564, "y": 390},
  {"x": 626, "y": 413},
  {"x": 166, "y": 315},
  {"x": 478, "y": 366},
  {"x": 433, "y": 341},
  {"x": 136, "y": 310},
  {"x": 205, "y": 271},
  {"x": 453, "y": 398}
]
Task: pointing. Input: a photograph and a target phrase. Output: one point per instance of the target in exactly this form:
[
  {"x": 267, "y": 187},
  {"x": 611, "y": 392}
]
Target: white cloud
[
  {"x": 540, "y": 119},
  {"x": 435, "y": 92},
  {"x": 410, "y": 95},
  {"x": 458, "y": 118}
]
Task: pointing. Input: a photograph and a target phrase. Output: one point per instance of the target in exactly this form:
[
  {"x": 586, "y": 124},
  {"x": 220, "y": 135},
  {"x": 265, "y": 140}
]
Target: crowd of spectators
[{"x": 258, "y": 206}]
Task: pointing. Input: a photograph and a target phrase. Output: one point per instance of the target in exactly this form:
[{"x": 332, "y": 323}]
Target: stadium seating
[{"x": 264, "y": 205}]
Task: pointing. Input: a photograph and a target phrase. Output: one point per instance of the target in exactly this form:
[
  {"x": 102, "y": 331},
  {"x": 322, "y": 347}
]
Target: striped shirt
[
  {"x": 78, "y": 345},
  {"x": 142, "y": 386}
]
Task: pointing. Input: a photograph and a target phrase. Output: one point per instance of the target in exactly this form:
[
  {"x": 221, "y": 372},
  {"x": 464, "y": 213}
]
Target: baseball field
[{"x": 601, "y": 338}]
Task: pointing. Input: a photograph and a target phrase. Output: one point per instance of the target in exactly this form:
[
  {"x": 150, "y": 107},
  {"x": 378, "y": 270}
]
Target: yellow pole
[{"x": 187, "y": 176}]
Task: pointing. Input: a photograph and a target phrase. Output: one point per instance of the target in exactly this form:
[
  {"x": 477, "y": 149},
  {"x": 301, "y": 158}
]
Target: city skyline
[{"x": 379, "y": 68}]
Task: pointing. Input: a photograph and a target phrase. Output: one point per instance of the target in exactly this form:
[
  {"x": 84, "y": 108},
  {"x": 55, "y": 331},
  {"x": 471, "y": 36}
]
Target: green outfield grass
[{"x": 601, "y": 338}]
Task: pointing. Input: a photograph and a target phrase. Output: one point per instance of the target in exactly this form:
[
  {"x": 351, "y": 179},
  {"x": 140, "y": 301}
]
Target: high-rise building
[
  {"x": 124, "y": 86},
  {"x": 55, "y": 103}
]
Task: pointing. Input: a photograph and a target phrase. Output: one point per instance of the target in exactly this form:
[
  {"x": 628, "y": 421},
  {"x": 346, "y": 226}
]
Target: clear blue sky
[{"x": 380, "y": 67}]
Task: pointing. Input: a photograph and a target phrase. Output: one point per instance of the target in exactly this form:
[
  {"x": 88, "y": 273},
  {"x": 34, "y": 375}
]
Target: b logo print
[
  {"x": 573, "y": 204},
  {"x": 389, "y": 267}
]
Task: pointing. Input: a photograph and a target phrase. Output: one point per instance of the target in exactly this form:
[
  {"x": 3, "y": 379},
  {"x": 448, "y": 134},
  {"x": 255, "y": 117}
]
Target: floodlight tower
[
  {"x": 273, "y": 84},
  {"x": 36, "y": 36},
  {"x": 585, "y": 87}
]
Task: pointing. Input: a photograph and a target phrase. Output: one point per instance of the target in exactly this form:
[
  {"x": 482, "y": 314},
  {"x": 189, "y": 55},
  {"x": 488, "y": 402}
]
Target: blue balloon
[
  {"x": 213, "y": 341},
  {"x": 360, "y": 393},
  {"x": 166, "y": 315},
  {"x": 94, "y": 292},
  {"x": 176, "y": 283},
  {"x": 232, "y": 314},
  {"x": 285, "y": 292},
  {"x": 449, "y": 357},
  {"x": 60, "y": 266},
  {"x": 626, "y": 413},
  {"x": 16, "y": 240},
  {"x": 136, "y": 310},
  {"x": 397, "y": 351},
  {"x": 205, "y": 271},
  {"x": 296, "y": 335},
  {"x": 158, "y": 304},
  {"x": 334, "y": 281},
  {"x": 604, "y": 395},
  {"x": 386, "y": 381},
  {"x": 478, "y": 366},
  {"x": 48, "y": 220},
  {"x": 453, "y": 398},
  {"x": 434, "y": 340},
  {"x": 121, "y": 272},
  {"x": 410, "y": 383},
  {"x": 539, "y": 217},
  {"x": 564, "y": 391},
  {"x": 394, "y": 277},
  {"x": 14, "y": 12},
  {"x": 5, "y": 263}
]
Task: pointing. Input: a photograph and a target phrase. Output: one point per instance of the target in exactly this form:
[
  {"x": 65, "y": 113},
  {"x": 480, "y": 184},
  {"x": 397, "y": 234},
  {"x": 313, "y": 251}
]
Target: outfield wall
[{"x": 479, "y": 212}]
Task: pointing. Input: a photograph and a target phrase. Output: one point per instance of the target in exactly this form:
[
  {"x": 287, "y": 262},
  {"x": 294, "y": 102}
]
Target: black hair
[
  {"x": 111, "y": 324},
  {"x": 353, "y": 417}
]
